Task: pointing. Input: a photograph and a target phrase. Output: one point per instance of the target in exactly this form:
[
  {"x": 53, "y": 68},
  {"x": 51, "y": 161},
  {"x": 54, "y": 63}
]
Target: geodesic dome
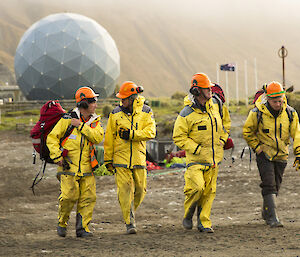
[{"x": 62, "y": 52}]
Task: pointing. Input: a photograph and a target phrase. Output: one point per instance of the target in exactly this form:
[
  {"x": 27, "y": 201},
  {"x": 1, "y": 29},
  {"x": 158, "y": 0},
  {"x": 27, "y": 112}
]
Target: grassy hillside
[{"x": 162, "y": 43}]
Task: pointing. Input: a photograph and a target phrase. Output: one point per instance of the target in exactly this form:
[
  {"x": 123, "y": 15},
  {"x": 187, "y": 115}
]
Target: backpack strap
[
  {"x": 70, "y": 129},
  {"x": 290, "y": 112},
  {"x": 258, "y": 114},
  {"x": 216, "y": 99}
]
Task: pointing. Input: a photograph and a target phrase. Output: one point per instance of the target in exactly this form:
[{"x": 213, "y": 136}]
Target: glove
[
  {"x": 229, "y": 144},
  {"x": 65, "y": 165},
  {"x": 297, "y": 163},
  {"x": 110, "y": 168},
  {"x": 124, "y": 133}
]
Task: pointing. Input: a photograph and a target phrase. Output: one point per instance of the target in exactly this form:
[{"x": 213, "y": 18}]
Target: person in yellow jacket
[
  {"x": 267, "y": 131},
  {"x": 129, "y": 126},
  {"x": 75, "y": 156},
  {"x": 199, "y": 131}
]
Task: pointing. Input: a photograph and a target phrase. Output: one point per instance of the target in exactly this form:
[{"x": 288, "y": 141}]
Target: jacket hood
[
  {"x": 138, "y": 103},
  {"x": 93, "y": 117},
  {"x": 189, "y": 100}
]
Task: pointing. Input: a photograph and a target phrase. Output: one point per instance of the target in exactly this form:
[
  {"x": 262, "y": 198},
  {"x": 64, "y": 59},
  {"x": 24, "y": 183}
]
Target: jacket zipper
[
  {"x": 216, "y": 124},
  {"x": 81, "y": 148},
  {"x": 130, "y": 159},
  {"x": 212, "y": 137},
  {"x": 276, "y": 139},
  {"x": 280, "y": 128}
]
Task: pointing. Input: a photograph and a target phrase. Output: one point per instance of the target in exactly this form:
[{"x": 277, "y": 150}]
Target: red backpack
[{"x": 50, "y": 114}]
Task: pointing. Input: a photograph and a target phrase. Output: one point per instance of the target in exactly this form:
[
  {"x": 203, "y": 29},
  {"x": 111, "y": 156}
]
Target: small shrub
[{"x": 178, "y": 95}]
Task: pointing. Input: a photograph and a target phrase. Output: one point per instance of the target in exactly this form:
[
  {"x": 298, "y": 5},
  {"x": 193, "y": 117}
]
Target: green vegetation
[
  {"x": 21, "y": 120},
  {"x": 102, "y": 171},
  {"x": 165, "y": 110}
]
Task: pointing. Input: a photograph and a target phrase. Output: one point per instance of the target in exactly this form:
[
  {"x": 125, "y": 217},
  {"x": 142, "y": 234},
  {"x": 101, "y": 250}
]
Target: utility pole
[{"x": 282, "y": 53}]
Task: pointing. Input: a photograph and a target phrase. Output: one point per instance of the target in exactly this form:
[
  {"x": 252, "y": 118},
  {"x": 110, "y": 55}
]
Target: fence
[{"x": 37, "y": 104}]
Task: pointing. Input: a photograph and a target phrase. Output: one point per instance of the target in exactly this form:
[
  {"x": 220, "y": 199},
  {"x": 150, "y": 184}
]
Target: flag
[{"x": 227, "y": 67}]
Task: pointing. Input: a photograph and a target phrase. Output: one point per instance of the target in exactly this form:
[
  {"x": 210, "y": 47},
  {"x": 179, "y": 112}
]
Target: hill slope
[{"x": 163, "y": 44}]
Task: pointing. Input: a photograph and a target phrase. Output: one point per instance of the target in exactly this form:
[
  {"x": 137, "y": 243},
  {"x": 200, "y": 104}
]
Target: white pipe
[
  {"x": 246, "y": 83},
  {"x": 255, "y": 74},
  {"x": 218, "y": 78}
]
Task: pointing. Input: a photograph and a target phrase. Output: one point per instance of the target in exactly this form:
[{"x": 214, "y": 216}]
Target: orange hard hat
[
  {"x": 274, "y": 89},
  {"x": 201, "y": 80},
  {"x": 127, "y": 89},
  {"x": 84, "y": 93}
]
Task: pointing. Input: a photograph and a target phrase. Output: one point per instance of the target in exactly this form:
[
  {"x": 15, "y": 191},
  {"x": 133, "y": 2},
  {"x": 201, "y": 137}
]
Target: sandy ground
[{"x": 28, "y": 222}]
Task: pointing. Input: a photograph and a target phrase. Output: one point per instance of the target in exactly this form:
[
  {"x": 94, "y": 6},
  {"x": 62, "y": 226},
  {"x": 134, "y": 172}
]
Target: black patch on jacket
[
  {"x": 202, "y": 127},
  {"x": 265, "y": 130}
]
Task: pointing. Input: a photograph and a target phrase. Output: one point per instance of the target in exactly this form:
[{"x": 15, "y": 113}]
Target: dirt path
[{"x": 28, "y": 223}]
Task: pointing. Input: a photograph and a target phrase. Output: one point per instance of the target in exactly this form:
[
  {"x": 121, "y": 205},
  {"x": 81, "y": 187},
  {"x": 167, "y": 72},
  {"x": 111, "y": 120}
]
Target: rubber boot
[
  {"x": 269, "y": 211},
  {"x": 61, "y": 231},
  {"x": 131, "y": 228},
  {"x": 80, "y": 231},
  {"x": 199, "y": 225},
  {"x": 188, "y": 220}
]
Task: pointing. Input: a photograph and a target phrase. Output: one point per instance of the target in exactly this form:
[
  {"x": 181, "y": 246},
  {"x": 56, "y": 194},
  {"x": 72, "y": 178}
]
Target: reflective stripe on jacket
[
  {"x": 200, "y": 134},
  {"x": 79, "y": 144},
  {"x": 272, "y": 135},
  {"x": 129, "y": 153}
]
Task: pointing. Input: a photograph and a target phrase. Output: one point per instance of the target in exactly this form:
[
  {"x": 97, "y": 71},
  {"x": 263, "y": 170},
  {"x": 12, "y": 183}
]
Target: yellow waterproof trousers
[
  {"x": 131, "y": 184},
  {"x": 80, "y": 190},
  {"x": 200, "y": 190}
]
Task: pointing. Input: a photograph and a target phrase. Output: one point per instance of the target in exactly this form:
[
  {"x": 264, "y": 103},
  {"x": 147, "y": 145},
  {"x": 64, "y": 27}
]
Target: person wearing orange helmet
[
  {"x": 75, "y": 156},
  {"x": 267, "y": 130},
  {"x": 129, "y": 126},
  {"x": 199, "y": 131}
]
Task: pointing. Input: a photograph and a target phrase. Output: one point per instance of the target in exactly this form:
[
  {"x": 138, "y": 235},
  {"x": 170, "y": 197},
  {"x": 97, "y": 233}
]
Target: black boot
[
  {"x": 199, "y": 225},
  {"x": 61, "y": 231},
  {"x": 269, "y": 211},
  {"x": 80, "y": 231},
  {"x": 188, "y": 220},
  {"x": 131, "y": 228}
]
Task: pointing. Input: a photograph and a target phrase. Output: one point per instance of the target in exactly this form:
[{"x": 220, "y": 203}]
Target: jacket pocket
[{"x": 202, "y": 127}]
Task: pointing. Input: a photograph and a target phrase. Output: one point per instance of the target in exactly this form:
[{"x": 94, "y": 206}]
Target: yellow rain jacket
[
  {"x": 130, "y": 153},
  {"x": 77, "y": 144},
  {"x": 272, "y": 135},
  {"x": 200, "y": 134}
]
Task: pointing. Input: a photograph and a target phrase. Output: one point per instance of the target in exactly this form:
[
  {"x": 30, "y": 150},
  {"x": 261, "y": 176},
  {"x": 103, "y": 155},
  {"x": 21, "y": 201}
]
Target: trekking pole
[
  {"x": 33, "y": 156},
  {"x": 250, "y": 158},
  {"x": 35, "y": 182}
]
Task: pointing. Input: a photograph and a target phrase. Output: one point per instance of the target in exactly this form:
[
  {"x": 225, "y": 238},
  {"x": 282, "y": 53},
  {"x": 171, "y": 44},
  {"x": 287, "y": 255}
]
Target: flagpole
[
  {"x": 227, "y": 91},
  {"x": 237, "y": 83}
]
